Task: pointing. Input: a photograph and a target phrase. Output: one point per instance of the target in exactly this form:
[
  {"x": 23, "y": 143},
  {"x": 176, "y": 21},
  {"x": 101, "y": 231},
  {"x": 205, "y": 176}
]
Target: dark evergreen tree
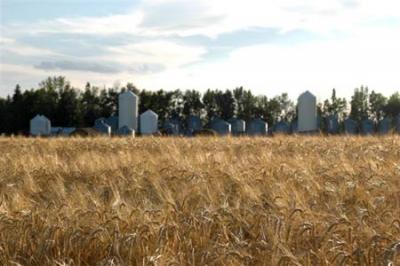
[
  {"x": 210, "y": 104},
  {"x": 334, "y": 106},
  {"x": 91, "y": 106},
  {"x": 360, "y": 104},
  {"x": 192, "y": 104},
  {"x": 392, "y": 107},
  {"x": 16, "y": 116},
  {"x": 377, "y": 103},
  {"x": 176, "y": 105},
  {"x": 225, "y": 104},
  {"x": 68, "y": 111}
]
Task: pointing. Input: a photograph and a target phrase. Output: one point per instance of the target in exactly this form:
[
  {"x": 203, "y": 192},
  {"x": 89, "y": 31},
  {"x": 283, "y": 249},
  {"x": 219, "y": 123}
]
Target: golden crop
[{"x": 200, "y": 201}]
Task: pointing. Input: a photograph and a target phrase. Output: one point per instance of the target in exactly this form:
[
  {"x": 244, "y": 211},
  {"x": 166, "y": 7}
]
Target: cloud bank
[{"x": 181, "y": 44}]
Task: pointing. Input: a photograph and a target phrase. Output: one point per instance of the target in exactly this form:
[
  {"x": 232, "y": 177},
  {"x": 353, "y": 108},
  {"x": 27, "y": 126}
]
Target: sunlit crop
[{"x": 200, "y": 201}]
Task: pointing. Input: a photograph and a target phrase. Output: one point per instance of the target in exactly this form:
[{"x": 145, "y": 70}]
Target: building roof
[{"x": 149, "y": 113}]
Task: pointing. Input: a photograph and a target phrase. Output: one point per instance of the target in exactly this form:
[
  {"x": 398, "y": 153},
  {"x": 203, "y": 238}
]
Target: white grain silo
[
  {"x": 128, "y": 110},
  {"x": 40, "y": 126},
  {"x": 148, "y": 123},
  {"x": 307, "y": 112}
]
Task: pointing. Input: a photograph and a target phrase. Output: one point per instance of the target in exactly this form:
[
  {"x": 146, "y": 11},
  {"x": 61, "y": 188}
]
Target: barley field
[{"x": 306, "y": 200}]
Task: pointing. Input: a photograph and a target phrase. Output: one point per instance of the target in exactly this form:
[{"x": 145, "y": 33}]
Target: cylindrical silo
[{"x": 128, "y": 110}]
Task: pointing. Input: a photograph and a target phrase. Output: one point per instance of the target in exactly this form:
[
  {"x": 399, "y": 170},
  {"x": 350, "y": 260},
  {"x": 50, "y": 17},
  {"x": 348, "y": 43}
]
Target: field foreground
[{"x": 214, "y": 201}]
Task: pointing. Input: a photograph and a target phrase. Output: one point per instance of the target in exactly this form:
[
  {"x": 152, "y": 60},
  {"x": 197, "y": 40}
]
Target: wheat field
[{"x": 305, "y": 200}]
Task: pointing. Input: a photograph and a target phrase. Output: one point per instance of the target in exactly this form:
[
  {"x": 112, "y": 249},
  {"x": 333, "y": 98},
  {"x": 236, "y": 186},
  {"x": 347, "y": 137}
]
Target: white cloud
[
  {"x": 12, "y": 74},
  {"x": 368, "y": 57},
  {"x": 24, "y": 50},
  {"x": 91, "y": 25},
  {"x": 160, "y": 52},
  {"x": 365, "y": 53},
  {"x": 317, "y": 66},
  {"x": 4, "y": 40},
  {"x": 214, "y": 17}
]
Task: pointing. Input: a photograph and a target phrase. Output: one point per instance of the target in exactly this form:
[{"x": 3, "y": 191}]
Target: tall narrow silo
[
  {"x": 128, "y": 110},
  {"x": 307, "y": 112}
]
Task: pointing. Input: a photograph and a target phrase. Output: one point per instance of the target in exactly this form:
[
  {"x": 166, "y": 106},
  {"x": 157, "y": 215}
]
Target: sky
[{"x": 268, "y": 46}]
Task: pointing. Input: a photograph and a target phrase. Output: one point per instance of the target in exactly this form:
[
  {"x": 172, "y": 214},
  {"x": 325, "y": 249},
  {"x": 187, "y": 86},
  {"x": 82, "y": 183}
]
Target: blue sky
[{"x": 267, "y": 46}]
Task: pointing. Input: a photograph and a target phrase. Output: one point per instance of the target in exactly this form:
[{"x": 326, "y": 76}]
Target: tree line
[{"x": 72, "y": 107}]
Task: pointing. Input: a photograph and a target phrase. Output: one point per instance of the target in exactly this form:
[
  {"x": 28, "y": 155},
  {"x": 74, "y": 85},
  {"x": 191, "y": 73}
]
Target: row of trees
[{"x": 68, "y": 106}]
